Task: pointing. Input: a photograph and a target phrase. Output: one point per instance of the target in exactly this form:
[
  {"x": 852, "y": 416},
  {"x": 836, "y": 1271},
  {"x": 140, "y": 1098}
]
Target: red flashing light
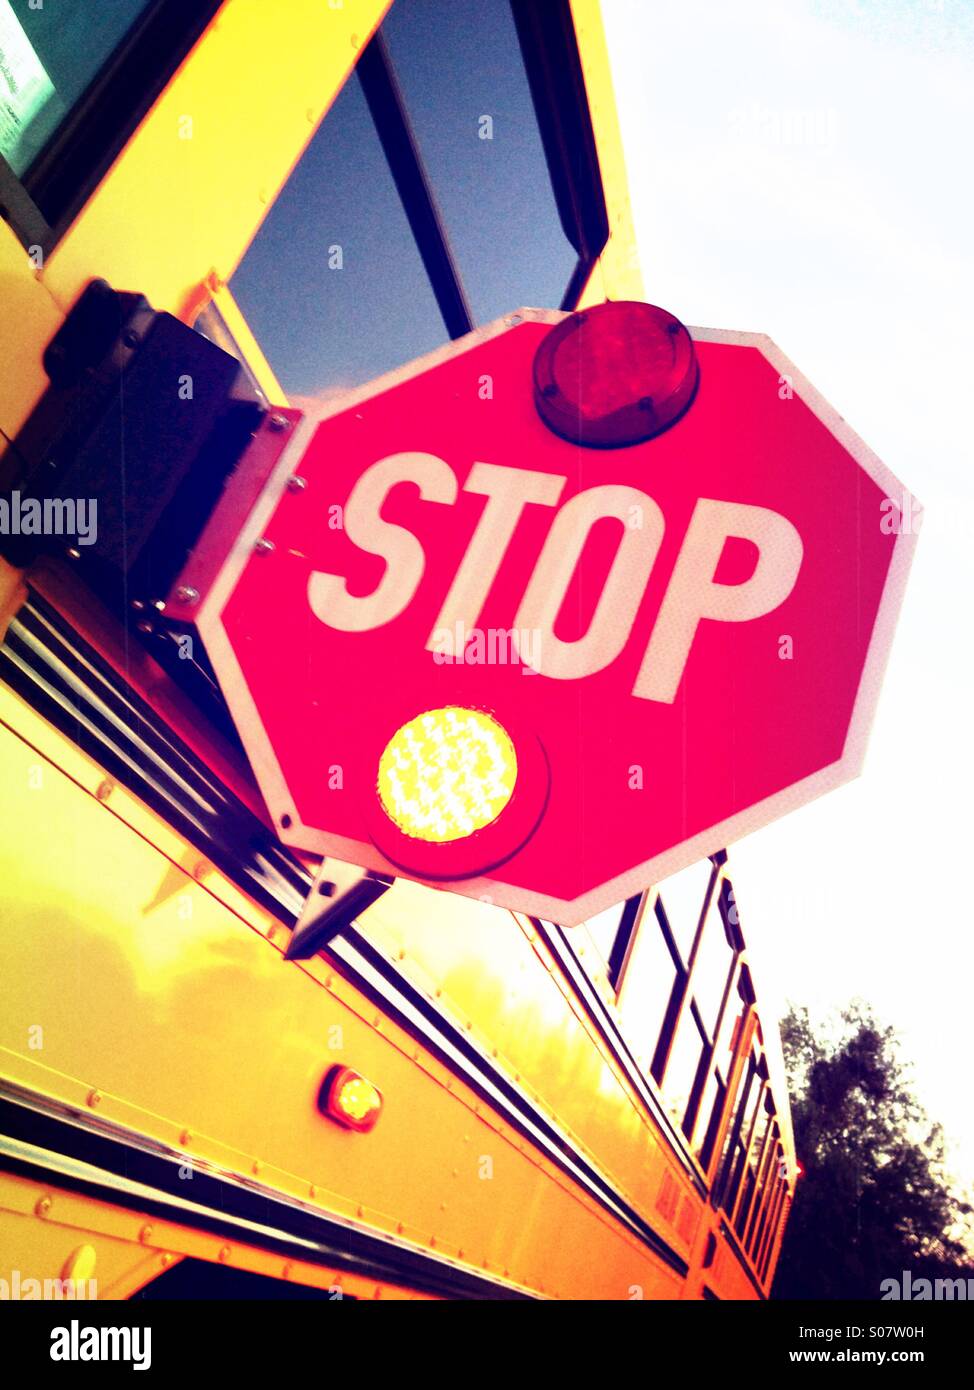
[{"x": 616, "y": 374}]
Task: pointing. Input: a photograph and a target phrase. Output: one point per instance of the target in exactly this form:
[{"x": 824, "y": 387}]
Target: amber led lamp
[
  {"x": 350, "y": 1099},
  {"x": 615, "y": 375}
]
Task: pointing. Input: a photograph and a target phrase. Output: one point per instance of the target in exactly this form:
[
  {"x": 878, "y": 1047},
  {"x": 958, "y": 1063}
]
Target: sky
[{"x": 802, "y": 168}]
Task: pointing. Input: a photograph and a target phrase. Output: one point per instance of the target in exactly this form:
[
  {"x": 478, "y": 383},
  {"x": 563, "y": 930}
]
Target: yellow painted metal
[
  {"x": 618, "y": 274},
  {"x": 494, "y": 977},
  {"x": 43, "y": 1226}
]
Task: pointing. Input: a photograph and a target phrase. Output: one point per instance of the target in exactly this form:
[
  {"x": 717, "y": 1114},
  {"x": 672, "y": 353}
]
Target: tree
[{"x": 873, "y": 1200}]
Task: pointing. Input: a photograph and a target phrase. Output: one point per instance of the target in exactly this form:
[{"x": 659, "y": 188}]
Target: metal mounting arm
[{"x": 340, "y": 893}]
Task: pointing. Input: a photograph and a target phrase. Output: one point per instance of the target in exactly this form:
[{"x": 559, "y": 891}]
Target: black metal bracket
[
  {"x": 340, "y": 893},
  {"x": 143, "y": 421}
]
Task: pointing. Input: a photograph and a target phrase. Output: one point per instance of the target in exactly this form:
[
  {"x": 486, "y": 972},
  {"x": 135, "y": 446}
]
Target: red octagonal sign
[{"x": 460, "y": 646}]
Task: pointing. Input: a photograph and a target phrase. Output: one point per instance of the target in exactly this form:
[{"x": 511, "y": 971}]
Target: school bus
[{"x": 448, "y": 1099}]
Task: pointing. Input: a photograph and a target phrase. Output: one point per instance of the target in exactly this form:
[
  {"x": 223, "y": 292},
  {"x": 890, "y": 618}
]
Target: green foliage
[{"x": 873, "y": 1200}]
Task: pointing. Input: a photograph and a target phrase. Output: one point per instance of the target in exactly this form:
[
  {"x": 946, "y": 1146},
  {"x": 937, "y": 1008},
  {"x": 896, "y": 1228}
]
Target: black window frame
[
  {"x": 647, "y": 912},
  {"x": 768, "y": 1172},
  {"x": 629, "y": 917},
  {"x": 770, "y": 1233},
  {"x": 683, "y": 1000},
  {"x": 40, "y": 205},
  {"x": 749, "y": 1192},
  {"x": 735, "y": 988}
]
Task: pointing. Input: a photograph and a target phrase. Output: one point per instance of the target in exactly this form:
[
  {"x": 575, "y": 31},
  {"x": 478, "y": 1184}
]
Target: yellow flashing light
[{"x": 447, "y": 773}]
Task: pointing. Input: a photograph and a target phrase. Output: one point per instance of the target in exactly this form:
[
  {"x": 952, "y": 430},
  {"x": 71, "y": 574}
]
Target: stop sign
[{"x": 462, "y": 647}]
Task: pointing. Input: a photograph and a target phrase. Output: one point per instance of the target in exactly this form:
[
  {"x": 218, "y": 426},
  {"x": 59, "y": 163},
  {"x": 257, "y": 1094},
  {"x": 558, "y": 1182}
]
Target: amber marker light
[{"x": 350, "y": 1099}]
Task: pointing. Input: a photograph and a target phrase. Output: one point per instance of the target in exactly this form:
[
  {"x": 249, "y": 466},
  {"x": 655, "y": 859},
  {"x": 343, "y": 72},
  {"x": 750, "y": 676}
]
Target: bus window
[
  {"x": 458, "y": 63},
  {"x": 384, "y": 242},
  {"x": 683, "y": 899},
  {"x": 649, "y": 982},
  {"x": 51, "y": 55},
  {"x": 755, "y": 1160},
  {"x": 682, "y": 1066},
  {"x": 684, "y": 1062},
  {"x": 333, "y": 286},
  {"x": 747, "y": 1088},
  {"x": 712, "y": 964},
  {"x": 611, "y": 932},
  {"x": 769, "y": 1166},
  {"x": 763, "y": 1257},
  {"x": 741, "y": 1135},
  {"x": 711, "y": 1108}
]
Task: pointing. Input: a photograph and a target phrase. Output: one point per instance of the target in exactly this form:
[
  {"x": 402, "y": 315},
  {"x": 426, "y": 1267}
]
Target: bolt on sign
[{"x": 559, "y": 609}]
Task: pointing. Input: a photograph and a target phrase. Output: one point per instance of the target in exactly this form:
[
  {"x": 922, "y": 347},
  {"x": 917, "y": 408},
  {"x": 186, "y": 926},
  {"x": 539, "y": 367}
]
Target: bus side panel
[{"x": 134, "y": 995}]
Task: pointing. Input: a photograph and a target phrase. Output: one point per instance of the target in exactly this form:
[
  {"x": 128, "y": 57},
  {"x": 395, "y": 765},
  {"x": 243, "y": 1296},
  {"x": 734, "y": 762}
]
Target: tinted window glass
[
  {"x": 645, "y": 992},
  {"x": 683, "y": 897},
  {"x": 333, "y": 286},
  {"x": 755, "y": 1155},
  {"x": 466, "y": 92},
  {"x": 708, "y": 1114},
  {"x": 681, "y": 1066},
  {"x": 765, "y": 1187},
  {"x": 737, "y": 1133},
  {"x": 712, "y": 1103},
  {"x": 604, "y": 928},
  {"x": 48, "y": 58},
  {"x": 711, "y": 968}
]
